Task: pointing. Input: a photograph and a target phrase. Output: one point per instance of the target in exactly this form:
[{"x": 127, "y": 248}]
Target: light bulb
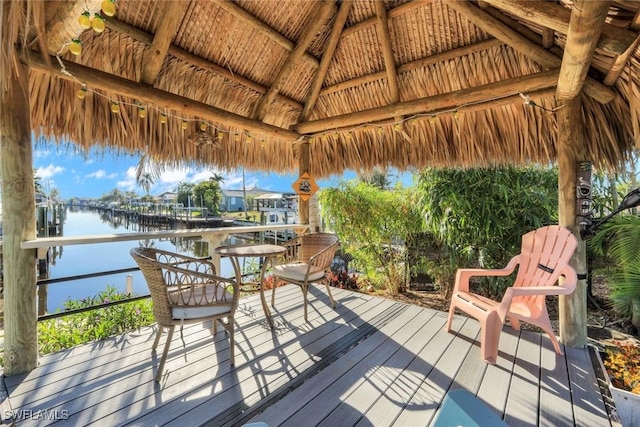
[
  {"x": 163, "y": 118},
  {"x": 98, "y": 23},
  {"x": 262, "y": 143},
  {"x": 108, "y": 7},
  {"x": 82, "y": 92},
  {"x": 397, "y": 127},
  {"x": 236, "y": 137},
  {"x": 203, "y": 126},
  {"x": 115, "y": 107},
  {"x": 184, "y": 125},
  {"x": 455, "y": 114},
  {"x": 142, "y": 112},
  {"x": 85, "y": 20},
  {"x": 75, "y": 47},
  {"x": 220, "y": 135}
]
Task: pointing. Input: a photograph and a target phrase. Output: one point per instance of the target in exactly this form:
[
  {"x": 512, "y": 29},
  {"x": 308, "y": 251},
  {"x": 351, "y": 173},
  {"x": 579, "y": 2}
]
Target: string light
[
  {"x": 163, "y": 119},
  {"x": 81, "y": 93},
  {"x": 108, "y": 7},
  {"x": 85, "y": 20},
  {"x": 98, "y": 23},
  {"x": 185, "y": 125},
  {"x": 115, "y": 107},
  {"x": 75, "y": 47},
  {"x": 220, "y": 135},
  {"x": 203, "y": 126},
  {"x": 142, "y": 113}
]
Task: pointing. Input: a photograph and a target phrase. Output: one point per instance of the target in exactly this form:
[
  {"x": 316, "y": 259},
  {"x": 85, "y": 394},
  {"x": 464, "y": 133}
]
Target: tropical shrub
[
  {"x": 480, "y": 215},
  {"x": 372, "y": 225},
  {"x": 74, "y": 329}
]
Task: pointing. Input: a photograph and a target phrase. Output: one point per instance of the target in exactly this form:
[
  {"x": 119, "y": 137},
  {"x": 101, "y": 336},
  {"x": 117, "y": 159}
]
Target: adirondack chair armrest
[{"x": 464, "y": 274}]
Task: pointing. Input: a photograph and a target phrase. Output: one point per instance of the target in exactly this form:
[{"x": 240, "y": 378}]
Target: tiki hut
[{"x": 316, "y": 87}]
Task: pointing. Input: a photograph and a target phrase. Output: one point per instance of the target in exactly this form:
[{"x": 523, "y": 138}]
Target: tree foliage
[
  {"x": 372, "y": 225},
  {"x": 480, "y": 215},
  {"x": 208, "y": 194}
]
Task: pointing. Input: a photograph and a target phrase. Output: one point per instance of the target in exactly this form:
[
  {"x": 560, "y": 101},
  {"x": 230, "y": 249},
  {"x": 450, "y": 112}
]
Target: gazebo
[{"x": 316, "y": 87}]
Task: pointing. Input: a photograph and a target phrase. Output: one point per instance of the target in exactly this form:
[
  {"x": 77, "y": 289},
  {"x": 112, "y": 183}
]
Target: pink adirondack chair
[{"x": 544, "y": 257}]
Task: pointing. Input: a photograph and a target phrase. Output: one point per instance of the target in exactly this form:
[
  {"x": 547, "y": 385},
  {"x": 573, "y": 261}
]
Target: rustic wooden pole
[
  {"x": 18, "y": 217},
  {"x": 572, "y": 308},
  {"x": 304, "y": 165}
]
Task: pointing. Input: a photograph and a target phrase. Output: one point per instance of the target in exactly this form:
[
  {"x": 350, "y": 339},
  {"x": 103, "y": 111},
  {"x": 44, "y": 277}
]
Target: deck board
[{"x": 370, "y": 361}]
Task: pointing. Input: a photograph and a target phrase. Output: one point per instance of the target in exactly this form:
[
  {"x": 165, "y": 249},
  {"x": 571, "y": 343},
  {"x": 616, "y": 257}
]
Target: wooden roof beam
[
  {"x": 391, "y": 13},
  {"x": 387, "y": 51},
  {"x": 587, "y": 18},
  {"x": 153, "y": 57},
  {"x": 257, "y": 24},
  {"x": 327, "y": 56},
  {"x": 555, "y": 16},
  {"x": 62, "y": 21},
  {"x": 129, "y": 88},
  {"x": 425, "y": 62},
  {"x": 456, "y": 99},
  {"x": 522, "y": 44},
  {"x": 183, "y": 55},
  {"x": 318, "y": 20}
]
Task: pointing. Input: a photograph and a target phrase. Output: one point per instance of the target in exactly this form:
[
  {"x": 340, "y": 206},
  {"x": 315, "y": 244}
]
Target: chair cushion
[
  {"x": 201, "y": 306},
  {"x": 295, "y": 272}
]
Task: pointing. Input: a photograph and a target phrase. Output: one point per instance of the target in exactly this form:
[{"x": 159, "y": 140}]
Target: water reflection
[{"x": 86, "y": 259}]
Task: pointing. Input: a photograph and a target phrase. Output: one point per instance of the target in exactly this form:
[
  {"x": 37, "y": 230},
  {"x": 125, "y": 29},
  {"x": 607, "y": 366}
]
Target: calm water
[{"x": 84, "y": 259}]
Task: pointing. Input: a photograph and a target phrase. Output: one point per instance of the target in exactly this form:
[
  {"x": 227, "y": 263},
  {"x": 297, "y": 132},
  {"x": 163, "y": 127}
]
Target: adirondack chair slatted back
[{"x": 544, "y": 254}]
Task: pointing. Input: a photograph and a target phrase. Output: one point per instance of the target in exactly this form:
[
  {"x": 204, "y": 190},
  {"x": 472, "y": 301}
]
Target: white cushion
[
  {"x": 196, "y": 306},
  {"x": 296, "y": 272}
]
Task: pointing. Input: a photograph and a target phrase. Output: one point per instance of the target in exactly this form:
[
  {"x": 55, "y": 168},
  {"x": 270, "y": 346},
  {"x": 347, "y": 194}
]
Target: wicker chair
[
  {"x": 307, "y": 260},
  {"x": 186, "y": 290}
]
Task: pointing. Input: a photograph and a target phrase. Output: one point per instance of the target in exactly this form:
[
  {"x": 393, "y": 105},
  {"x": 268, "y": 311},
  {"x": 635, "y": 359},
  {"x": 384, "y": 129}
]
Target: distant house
[
  {"x": 167, "y": 198},
  {"x": 233, "y": 200}
]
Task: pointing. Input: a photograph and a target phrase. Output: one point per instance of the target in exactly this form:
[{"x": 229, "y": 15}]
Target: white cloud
[
  {"x": 129, "y": 182},
  {"x": 101, "y": 173},
  {"x": 47, "y": 172},
  {"x": 41, "y": 154}
]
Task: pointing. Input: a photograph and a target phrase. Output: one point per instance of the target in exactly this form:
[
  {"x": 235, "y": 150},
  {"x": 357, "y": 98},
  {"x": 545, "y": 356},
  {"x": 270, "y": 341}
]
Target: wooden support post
[
  {"x": 573, "y": 308},
  {"x": 19, "y": 223},
  {"x": 303, "y": 205}
]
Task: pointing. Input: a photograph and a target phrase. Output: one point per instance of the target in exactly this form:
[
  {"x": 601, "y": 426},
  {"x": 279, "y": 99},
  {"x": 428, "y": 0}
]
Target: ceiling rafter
[
  {"x": 257, "y": 24},
  {"x": 425, "y": 62},
  {"x": 387, "y": 51},
  {"x": 450, "y": 100},
  {"x": 587, "y": 19},
  {"x": 327, "y": 56},
  {"x": 144, "y": 93},
  {"x": 522, "y": 44},
  {"x": 39, "y": 24},
  {"x": 555, "y": 16},
  {"x": 183, "y": 55},
  {"x": 153, "y": 57},
  {"x": 310, "y": 33},
  {"x": 391, "y": 13}
]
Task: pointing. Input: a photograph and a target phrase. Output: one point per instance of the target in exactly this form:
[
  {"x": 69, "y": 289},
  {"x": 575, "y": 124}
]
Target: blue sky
[{"x": 75, "y": 176}]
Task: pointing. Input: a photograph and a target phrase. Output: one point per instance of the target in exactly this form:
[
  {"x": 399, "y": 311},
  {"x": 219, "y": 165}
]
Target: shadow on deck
[{"x": 371, "y": 361}]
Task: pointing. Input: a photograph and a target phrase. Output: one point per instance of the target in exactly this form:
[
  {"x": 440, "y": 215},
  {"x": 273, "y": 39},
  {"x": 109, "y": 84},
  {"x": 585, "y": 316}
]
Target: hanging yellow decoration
[
  {"x": 184, "y": 125},
  {"x": 81, "y": 93},
  {"x": 163, "y": 118},
  {"x": 142, "y": 113},
  {"x": 203, "y": 126},
  {"x": 115, "y": 107},
  {"x": 75, "y": 47},
  {"x": 108, "y": 7},
  {"x": 98, "y": 23},
  {"x": 220, "y": 135},
  {"x": 85, "y": 20}
]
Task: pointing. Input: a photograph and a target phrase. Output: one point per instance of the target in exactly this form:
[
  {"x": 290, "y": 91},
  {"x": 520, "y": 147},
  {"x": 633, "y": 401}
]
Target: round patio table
[{"x": 266, "y": 251}]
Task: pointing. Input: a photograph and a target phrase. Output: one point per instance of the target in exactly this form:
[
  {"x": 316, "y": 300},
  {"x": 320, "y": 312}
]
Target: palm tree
[{"x": 146, "y": 181}]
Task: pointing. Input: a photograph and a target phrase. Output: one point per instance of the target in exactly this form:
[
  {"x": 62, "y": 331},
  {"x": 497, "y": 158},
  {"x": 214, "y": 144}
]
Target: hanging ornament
[
  {"x": 142, "y": 113},
  {"x": 236, "y": 137},
  {"x": 85, "y": 20},
  {"x": 98, "y": 23},
  {"x": 75, "y": 47},
  {"x": 81, "y": 93},
  {"x": 108, "y": 7},
  {"x": 262, "y": 143},
  {"x": 185, "y": 125},
  {"x": 115, "y": 107},
  {"x": 220, "y": 135},
  {"x": 203, "y": 126},
  {"x": 163, "y": 118}
]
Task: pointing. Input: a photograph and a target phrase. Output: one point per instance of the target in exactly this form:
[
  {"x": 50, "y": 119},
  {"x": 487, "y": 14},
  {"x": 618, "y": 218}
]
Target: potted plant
[{"x": 621, "y": 363}]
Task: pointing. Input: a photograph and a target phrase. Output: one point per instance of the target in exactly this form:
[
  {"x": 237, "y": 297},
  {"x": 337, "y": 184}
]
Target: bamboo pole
[
  {"x": 304, "y": 166},
  {"x": 18, "y": 217}
]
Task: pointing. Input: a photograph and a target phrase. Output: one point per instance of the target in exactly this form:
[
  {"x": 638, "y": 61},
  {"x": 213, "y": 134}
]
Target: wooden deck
[{"x": 369, "y": 362}]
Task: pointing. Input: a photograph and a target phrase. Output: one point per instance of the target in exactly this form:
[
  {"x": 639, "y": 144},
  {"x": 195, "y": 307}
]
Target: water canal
[{"x": 87, "y": 259}]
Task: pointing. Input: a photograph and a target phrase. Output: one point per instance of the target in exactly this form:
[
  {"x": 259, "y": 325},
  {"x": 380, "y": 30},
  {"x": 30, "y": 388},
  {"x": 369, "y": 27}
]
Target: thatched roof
[{"x": 396, "y": 83}]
